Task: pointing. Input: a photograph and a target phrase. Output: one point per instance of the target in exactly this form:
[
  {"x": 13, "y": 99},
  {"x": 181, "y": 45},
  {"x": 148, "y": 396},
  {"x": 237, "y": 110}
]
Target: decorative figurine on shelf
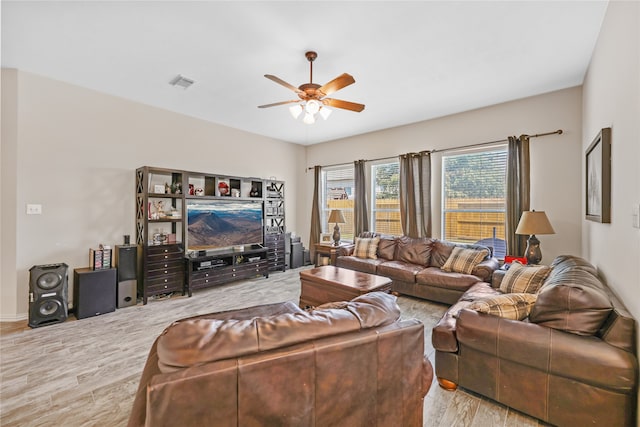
[
  {"x": 223, "y": 189},
  {"x": 191, "y": 190},
  {"x": 167, "y": 188},
  {"x": 199, "y": 191},
  {"x": 159, "y": 213},
  {"x": 254, "y": 191},
  {"x": 176, "y": 188}
]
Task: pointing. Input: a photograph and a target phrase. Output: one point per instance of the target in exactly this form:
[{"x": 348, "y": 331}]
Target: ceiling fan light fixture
[
  {"x": 312, "y": 106},
  {"x": 325, "y": 112},
  {"x": 309, "y": 119},
  {"x": 296, "y": 110}
]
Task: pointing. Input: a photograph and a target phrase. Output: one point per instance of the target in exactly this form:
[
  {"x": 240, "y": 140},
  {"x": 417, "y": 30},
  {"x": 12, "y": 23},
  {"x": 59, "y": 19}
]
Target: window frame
[
  {"x": 372, "y": 193},
  {"x": 444, "y": 211}
]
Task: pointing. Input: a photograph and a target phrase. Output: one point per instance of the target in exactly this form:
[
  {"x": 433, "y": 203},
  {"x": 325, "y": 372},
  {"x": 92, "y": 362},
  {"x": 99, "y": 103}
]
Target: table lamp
[
  {"x": 336, "y": 217},
  {"x": 532, "y": 223}
]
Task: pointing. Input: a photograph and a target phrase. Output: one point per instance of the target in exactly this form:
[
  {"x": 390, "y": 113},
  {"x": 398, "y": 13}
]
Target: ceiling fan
[{"x": 313, "y": 97}]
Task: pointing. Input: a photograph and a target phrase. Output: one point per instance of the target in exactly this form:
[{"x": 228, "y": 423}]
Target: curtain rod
[{"x": 559, "y": 132}]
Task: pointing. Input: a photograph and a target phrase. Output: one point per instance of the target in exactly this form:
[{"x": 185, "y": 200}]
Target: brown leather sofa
[
  {"x": 350, "y": 363},
  {"x": 414, "y": 266},
  {"x": 572, "y": 362}
]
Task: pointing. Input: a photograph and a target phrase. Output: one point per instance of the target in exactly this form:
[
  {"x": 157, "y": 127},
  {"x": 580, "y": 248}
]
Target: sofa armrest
[
  {"x": 485, "y": 269},
  {"x": 585, "y": 358}
]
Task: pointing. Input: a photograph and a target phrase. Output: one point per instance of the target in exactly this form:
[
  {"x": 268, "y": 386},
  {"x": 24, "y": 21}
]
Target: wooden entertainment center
[{"x": 172, "y": 263}]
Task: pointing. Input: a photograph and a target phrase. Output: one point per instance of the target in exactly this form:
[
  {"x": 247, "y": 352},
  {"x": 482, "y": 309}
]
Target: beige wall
[
  {"x": 555, "y": 160},
  {"x": 76, "y": 153},
  {"x": 612, "y": 99}
]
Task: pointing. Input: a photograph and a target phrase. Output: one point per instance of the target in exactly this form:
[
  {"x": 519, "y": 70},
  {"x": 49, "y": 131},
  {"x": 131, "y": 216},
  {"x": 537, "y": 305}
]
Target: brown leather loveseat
[
  {"x": 567, "y": 355},
  {"x": 416, "y": 266},
  {"x": 351, "y": 363}
]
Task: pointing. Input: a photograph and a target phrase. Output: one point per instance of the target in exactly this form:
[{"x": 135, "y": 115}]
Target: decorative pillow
[
  {"x": 510, "y": 306},
  {"x": 366, "y": 248},
  {"x": 464, "y": 260},
  {"x": 520, "y": 278}
]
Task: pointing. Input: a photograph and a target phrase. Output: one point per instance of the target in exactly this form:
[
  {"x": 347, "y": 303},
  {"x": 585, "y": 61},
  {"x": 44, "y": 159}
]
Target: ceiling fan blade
[
  {"x": 336, "y": 84},
  {"x": 278, "y": 103},
  {"x": 283, "y": 83},
  {"x": 346, "y": 105}
]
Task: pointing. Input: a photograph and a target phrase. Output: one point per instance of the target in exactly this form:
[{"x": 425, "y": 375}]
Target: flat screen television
[{"x": 218, "y": 224}]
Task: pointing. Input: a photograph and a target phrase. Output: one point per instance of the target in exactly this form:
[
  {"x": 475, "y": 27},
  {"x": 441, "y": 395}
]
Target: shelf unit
[
  {"x": 161, "y": 229},
  {"x": 275, "y": 224}
]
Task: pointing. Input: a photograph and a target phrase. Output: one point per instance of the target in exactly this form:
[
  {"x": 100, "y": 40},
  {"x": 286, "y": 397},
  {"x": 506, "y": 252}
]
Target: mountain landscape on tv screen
[{"x": 216, "y": 229}]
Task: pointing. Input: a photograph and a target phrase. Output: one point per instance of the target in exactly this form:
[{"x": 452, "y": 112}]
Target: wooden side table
[{"x": 326, "y": 254}]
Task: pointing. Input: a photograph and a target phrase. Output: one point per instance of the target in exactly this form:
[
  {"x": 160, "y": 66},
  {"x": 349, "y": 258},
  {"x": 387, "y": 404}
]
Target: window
[
  {"x": 473, "y": 198},
  {"x": 385, "y": 193},
  {"x": 338, "y": 191}
]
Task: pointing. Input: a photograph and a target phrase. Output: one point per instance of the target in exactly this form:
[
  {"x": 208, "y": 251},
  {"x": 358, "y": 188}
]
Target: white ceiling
[{"x": 412, "y": 61}]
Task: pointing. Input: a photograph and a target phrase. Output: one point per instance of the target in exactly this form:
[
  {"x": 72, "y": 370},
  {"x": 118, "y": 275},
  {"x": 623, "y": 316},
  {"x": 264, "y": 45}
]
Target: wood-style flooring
[{"x": 85, "y": 372}]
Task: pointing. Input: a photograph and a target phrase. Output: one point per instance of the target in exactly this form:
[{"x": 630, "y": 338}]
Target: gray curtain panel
[
  {"x": 316, "y": 226},
  {"x": 415, "y": 194},
  {"x": 518, "y": 186},
  {"x": 361, "y": 207}
]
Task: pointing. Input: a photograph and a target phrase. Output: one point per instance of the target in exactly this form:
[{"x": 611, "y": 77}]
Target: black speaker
[
  {"x": 126, "y": 260},
  {"x": 48, "y": 294},
  {"x": 94, "y": 291}
]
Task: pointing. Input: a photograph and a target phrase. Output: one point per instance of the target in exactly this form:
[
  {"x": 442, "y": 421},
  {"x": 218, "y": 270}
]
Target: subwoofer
[
  {"x": 94, "y": 291},
  {"x": 48, "y": 294},
  {"x": 126, "y": 261}
]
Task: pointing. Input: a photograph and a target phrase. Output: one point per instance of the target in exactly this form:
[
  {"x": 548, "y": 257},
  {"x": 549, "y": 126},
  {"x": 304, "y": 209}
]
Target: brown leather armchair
[{"x": 351, "y": 363}]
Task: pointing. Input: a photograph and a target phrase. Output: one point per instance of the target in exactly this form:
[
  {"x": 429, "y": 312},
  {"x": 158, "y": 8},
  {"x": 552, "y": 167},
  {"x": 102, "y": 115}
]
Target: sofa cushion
[
  {"x": 365, "y": 265},
  {"x": 203, "y": 340},
  {"x": 441, "y": 250},
  {"x": 387, "y": 247},
  {"x": 366, "y": 248},
  {"x": 434, "y": 276},
  {"x": 572, "y": 299},
  {"x": 399, "y": 270},
  {"x": 514, "y": 306},
  {"x": 414, "y": 250},
  {"x": 464, "y": 260},
  {"x": 521, "y": 278}
]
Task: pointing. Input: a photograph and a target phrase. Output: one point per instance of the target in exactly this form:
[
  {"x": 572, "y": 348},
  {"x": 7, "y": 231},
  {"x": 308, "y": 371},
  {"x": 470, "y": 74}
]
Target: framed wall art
[{"x": 598, "y": 178}]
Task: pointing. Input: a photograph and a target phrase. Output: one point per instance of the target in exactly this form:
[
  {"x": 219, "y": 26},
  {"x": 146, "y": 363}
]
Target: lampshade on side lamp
[
  {"x": 532, "y": 223},
  {"x": 336, "y": 217}
]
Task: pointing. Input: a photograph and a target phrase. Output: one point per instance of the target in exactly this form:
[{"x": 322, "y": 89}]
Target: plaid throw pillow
[
  {"x": 366, "y": 248},
  {"x": 509, "y": 306},
  {"x": 520, "y": 278},
  {"x": 464, "y": 260}
]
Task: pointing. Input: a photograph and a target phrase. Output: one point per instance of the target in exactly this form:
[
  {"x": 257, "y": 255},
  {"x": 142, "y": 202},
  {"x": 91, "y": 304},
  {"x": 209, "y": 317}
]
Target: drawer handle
[
  {"x": 166, "y": 250},
  {"x": 165, "y": 281},
  {"x": 206, "y": 280},
  {"x": 166, "y": 256},
  {"x": 165, "y": 286},
  {"x": 165, "y": 272},
  {"x": 165, "y": 266},
  {"x": 206, "y": 275}
]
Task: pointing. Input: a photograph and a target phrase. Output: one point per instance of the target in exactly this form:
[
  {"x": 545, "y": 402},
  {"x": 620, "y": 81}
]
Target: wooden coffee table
[{"x": 329, "y": 284}]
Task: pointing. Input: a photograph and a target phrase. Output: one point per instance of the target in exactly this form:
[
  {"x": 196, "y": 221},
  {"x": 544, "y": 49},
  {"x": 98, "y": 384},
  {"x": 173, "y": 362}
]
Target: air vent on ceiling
[{"x": 181, "y": 81}]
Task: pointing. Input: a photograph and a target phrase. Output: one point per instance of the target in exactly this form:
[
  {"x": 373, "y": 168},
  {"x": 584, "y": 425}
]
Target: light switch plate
[{"x": 635, "y": 214}]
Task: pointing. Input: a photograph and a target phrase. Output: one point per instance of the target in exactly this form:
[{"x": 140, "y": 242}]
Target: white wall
[
  {"x": 555, "y": 160},
  {"x": 612, "y": 99},
  {"x": 76, "y": 155}
]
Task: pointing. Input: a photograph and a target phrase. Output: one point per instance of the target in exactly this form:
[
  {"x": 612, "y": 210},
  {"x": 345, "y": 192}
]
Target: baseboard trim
[{"x": 17, "y": 318}]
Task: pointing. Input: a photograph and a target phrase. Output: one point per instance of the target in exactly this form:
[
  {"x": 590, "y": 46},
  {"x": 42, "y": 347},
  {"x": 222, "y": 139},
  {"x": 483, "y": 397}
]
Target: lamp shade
[
  {"x": 534, "y": 222},
  {"x": 336, "y": 217}
]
